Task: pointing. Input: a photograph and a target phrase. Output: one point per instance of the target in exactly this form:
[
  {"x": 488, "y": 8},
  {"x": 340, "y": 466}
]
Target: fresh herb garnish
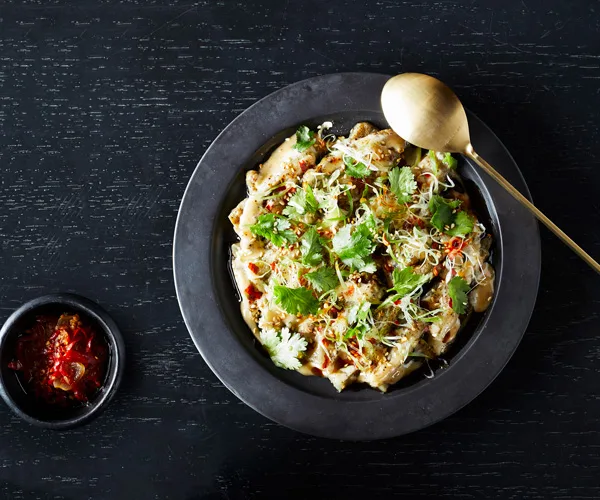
[
  {"x": 302, "y": 202},
  {"x": 447, "y": 219},
  {"x": 355, "y": 248},
  {"x": 350, "y": 202},
  {"x": 450, "y": 161},
  {"x": 462, "y": 225},
  {"x": 418, "y": 155},
  {"x": 275, "y": 228},
  {"x": 355, "y": 168},
  {"x": 359, "y": 313},
  {"x": 434, "y": 161},
  {"x": 415, "y": 354},
  {"x": 402, "y": 183},
  {"x": 305, "y": 138},
  {"x": 283, "y": 348},
  {"x": 362, "y": 318},
  {"x": 457, "y": 289},
  {"x": 311, "y": 248},
  {"x": 364, "y": 194},
  {"x": 406, "y": 281},
  {"x": 369, "y": 222},
  {"x": 441, "y": 210},
  {"x": 323, "y": 279},
  {"x": 428, "y": 319},
  {"x": 296, "y": 300}
]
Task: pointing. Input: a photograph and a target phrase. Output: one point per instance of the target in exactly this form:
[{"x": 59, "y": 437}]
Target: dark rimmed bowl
[
  {"x": 11, "y": 390},
  {"x": 210, "y": 307}
]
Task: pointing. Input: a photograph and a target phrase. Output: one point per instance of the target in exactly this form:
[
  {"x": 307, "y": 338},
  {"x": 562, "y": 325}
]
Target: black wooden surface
[{"x": 105, "y": 108}]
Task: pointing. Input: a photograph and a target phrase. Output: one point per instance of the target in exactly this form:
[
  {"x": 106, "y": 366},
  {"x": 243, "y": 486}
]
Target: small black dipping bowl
[{"x": 11, "y": 388}]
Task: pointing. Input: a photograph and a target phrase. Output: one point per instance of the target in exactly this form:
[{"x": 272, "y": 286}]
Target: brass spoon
[{"x": 426, "y": 113}]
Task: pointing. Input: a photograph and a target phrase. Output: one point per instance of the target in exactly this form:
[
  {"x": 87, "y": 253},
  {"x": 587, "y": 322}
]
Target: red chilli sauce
[{"x": 62, "y": 361}]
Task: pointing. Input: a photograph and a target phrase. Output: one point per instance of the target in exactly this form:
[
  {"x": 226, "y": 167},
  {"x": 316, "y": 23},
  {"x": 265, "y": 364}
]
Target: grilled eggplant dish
[{"x": 360, "y": 257}]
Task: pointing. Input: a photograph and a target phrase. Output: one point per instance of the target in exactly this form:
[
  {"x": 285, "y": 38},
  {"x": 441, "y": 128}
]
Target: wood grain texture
[{"x": 105, "y": 108}]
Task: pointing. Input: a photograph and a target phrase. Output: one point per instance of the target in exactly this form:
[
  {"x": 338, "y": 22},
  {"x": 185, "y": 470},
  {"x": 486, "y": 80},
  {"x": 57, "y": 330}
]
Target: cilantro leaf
[
  {"x": 403, "y": 184},
  {"x": 355, "y": 249},
  {"x": 369, "y": 222},
  {"x": 406, "y": 281},
  {"x": 311, "y": 202},
  {"x": 342, "y": 239},
  {"x": 442, "y": 212},
  {"x": 283, "y": 348},
  {"x": 296, "y": 300},
  {"x": 356, "y": 331},
  {"x": 323, "y": 279},
  {"x": 463, "y": 224},
  {"x": 355, "y": 168},
  {"x": 450, "y": 160},
  {"x": 362, "y": 317},
  {"x": 359, "y": 313},
  {"x": 305, "y": 138},
  {"x": 447, "y": 219},
  {"x": 311, "y": 248},
  {"x": 275, "y": 228},
  {"x": 457, "y": 289},
  {"x": 301, "y": 203}
]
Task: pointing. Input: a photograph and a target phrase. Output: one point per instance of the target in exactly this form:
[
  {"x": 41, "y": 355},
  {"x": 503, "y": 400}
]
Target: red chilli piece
[
  {"x": 454, "y": 246},
  {"x": 252, "y": 292}
]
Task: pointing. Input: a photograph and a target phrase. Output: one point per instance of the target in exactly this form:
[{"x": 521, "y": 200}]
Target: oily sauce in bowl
[{"x": 61, "y": 361}]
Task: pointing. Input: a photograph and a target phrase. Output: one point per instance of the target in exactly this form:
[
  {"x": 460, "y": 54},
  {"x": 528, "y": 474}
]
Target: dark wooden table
[{"x": 105, "y": 108}]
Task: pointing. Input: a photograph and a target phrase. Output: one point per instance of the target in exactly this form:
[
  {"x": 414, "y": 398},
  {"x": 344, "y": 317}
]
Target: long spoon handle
[{"x": 470, "y": 152}]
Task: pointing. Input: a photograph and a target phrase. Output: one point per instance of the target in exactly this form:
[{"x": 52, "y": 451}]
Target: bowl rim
[
  {"x": 267, "y": 393},
  {"x": 116, "y": 367}
]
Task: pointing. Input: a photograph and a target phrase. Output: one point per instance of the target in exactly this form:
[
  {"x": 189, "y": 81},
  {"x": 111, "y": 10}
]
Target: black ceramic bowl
[
  {"x": 11, "y": 388},
  {"x": 211, "y": 309}
]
